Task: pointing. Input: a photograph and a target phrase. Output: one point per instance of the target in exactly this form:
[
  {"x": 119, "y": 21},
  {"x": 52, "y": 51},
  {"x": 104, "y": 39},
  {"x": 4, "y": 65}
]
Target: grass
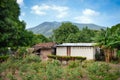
[{"x": 32, "y": 68}]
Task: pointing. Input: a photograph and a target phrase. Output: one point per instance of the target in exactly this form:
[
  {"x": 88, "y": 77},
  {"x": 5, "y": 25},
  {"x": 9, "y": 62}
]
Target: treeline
[{"x": 68, "y": 32}]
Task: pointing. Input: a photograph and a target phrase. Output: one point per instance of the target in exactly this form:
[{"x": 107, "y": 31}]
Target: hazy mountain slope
[{"x": 46, "y": 28}]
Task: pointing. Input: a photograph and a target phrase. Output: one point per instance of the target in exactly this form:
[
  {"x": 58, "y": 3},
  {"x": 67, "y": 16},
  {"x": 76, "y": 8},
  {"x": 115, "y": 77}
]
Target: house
[
  {"x": 44, "y": 49},
  {"x": 87, "y": 50}
]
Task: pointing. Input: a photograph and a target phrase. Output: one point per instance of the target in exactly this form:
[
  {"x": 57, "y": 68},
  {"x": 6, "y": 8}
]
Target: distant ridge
[{"x": 46, "y": 28}]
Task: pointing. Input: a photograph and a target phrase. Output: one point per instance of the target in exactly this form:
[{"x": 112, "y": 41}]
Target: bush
[
  {"x": 11, "y": 77},
  {"x": 53, "y": 70},
  {"x": 4, "y": 58},
  {"x": 118, "y": 53},
  {"x": 21, "y": 52},
  {"x": 56, "y": 63},
  {"x": 76, "y": 73},
  {"x": 73, "y": 64},
  {"x": 67, "y": 57},
  {"x": 31, "y": 58},
  {"x": 101, "y": 71},
  {"x": 4, "y": 50},
  {"x": 86, "y": 63}
]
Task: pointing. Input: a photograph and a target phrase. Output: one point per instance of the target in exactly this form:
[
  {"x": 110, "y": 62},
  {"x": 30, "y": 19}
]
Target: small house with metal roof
[{"x": 87, "y": 50}]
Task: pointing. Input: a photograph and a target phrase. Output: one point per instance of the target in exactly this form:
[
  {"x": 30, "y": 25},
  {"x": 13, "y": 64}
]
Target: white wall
[
  {"x": 62, "y": 51},
  {"x": 88, "y": 52}
]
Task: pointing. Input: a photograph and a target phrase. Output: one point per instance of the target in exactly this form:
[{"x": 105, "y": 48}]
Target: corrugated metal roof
[{"x": 77, "y": 44}]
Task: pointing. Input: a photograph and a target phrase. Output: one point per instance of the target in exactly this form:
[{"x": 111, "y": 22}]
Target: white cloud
[
  {"x": 59, "y": 11},
  {"x": 62, "y": 11},
  {"x": 87, "y": 16},
  {"x": 90, "y": 12},
  {"x": 20, "y": 2},
  {"x": 83, "y": 19},
  {"x": 39, "y": 9}
]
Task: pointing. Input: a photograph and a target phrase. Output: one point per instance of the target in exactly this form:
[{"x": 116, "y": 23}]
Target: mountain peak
[{"x": 46, "y": 28}]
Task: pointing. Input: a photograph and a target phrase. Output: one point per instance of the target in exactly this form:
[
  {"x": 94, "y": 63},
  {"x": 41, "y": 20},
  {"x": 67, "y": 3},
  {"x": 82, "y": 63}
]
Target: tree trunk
[{"x": 107, "y": 54}]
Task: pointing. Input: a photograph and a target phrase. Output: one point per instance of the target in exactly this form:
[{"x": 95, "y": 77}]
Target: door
[{"x": 68, "y": 51}]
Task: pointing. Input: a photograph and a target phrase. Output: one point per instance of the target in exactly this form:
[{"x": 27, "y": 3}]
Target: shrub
[
  {"x": 56, "y": 63},
  {"x": 4, "y": 58},
  {"x": 11, "y": 77},
  {"x": 76, "y": 73},
  {"x": 21, "y": 52},
  {"x": 101, "y": 71},
  {"x": 86, "y": 63},
  {"x": 73, "y": 64},
  {"x": 24, "y": 68},
  {"x": 31, "y": 58},
  {"x": 4, "y": 50},
  {"x": 67, "y": 57},
  {"x": 53, "y": 71},
  {"x": 80, "y": 58},
  {"x": 118, "y": 55}
]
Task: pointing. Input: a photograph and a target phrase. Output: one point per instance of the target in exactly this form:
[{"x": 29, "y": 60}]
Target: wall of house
[
  {"x": 44, "y": 53},
  {"x": 62, "y": 51},
  {"x": 88, "y": 52}
]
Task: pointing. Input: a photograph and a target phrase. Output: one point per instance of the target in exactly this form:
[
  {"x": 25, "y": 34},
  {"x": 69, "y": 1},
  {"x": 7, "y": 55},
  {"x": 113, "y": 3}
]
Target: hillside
[{"x": 46, "y": 28}]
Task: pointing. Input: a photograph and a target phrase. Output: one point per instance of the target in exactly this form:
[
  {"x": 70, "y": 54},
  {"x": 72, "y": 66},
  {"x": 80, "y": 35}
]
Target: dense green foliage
[
  {"x": 32, "y": 68},
  {"x": 3, "y": 58},
  {"x": 10, "y": 25},
  {"x": 68, "y": 32},
  {"x": 39, "y": 38},
  {"x": 109, "y": 40},
  {"x": 86, "y": 35},
  {"x": 62, "y": 33},
  {"x": 12, "y": 31}
]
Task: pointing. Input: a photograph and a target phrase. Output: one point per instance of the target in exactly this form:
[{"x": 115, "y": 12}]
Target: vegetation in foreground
[{"x": 32, "y": 68}]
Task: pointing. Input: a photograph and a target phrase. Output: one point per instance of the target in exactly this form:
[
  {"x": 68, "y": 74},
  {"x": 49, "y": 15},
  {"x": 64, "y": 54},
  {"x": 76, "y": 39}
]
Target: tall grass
[{"x": 32, "y": 68}]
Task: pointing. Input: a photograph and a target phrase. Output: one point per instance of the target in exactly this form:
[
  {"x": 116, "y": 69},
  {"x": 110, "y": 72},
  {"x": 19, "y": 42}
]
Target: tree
[
  {"x": 12, "y": 30},
  {"x": 72, "y": 38},
  {"x": 116, "y": 35},
  {"x": 108, "y": 40},
  {"x": 61, "y": 34},
  {"x": 39, "y": 38},
  {"x": 103, "y": 40},
  {"x": 86, "y": 35}
]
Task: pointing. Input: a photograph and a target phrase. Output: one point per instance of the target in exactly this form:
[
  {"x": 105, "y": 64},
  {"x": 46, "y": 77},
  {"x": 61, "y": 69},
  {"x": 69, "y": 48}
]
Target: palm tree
[{"x": 104, "y": 40}]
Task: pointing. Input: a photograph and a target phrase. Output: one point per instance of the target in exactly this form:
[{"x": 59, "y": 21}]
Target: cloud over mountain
[
  {"x": 59, "y": 11},
  {"x": 87, "y": 16}
]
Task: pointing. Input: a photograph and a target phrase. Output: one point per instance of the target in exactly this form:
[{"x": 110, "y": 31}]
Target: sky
[{"x": 101, "y": 12}]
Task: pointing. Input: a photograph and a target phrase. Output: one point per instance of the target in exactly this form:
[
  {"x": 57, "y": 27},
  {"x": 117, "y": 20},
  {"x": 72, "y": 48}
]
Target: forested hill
[{"x": 46, "y": 28}]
